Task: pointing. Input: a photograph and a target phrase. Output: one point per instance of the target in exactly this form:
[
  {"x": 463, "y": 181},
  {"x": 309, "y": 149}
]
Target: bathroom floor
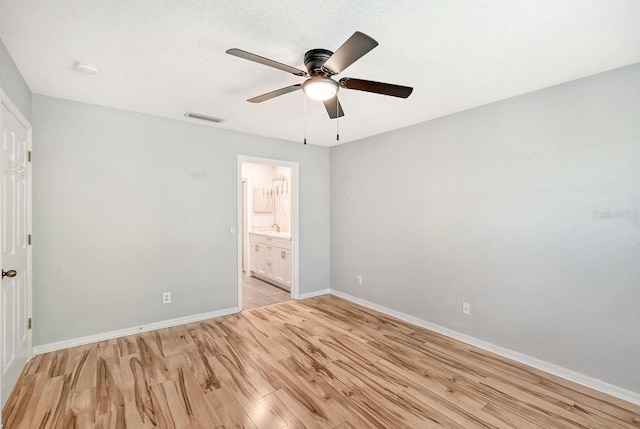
[{"x": 256, "y": 293}]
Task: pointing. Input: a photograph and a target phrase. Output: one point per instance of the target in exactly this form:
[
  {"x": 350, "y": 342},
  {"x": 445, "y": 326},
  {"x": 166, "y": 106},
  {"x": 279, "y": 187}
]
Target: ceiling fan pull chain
[
  {"x": 337, "y": 119},
  {"x": 304, "y": 119}
]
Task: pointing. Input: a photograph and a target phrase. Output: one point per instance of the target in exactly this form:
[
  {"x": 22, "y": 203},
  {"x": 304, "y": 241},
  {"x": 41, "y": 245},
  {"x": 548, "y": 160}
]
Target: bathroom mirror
[{"x": 262, "y": 200}]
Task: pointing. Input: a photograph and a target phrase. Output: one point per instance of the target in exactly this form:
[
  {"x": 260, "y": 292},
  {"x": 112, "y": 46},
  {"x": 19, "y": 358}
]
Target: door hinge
[
  {"x": 29, "y": 156},
  {"x": 29, "y": 323},
  {"x": 29, "y": 239}
]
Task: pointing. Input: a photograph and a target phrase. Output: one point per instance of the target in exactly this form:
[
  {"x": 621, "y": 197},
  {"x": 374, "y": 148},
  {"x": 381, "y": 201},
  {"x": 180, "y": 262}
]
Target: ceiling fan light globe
[{"x": 320, "y": 88}]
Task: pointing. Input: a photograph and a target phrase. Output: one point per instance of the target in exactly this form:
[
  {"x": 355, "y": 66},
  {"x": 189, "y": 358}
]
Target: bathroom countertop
[{"x": 273, "y": 234}]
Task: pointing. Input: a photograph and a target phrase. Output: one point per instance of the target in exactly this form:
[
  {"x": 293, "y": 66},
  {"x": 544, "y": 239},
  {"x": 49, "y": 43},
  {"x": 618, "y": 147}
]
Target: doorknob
[{"x": 10, "y": 273}]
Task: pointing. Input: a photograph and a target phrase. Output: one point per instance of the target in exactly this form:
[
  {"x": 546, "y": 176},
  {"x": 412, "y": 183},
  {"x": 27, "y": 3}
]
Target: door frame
[
  {"x": 245, "y": 214},
  {"x": 295, "y": 221},
  {"x": 6, "y": 101}
]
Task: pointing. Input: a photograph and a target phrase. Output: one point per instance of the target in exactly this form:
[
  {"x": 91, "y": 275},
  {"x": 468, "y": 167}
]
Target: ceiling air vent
[{"x": 203, "y": 117}]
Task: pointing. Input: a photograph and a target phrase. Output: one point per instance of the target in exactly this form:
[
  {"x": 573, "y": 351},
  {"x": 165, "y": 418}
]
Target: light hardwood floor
[{"x": 318, "y": 363}]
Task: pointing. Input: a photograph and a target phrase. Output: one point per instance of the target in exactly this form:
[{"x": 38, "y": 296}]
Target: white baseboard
[
  {"x": 565, "y": 373},
  {"x": 45, "y": 348},
  {"x": 314, "y": 294}
]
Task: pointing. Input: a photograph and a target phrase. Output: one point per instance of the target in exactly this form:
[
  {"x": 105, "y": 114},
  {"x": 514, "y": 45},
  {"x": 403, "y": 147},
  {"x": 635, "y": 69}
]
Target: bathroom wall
[
  {"x": 261, "y": 176},
  {"x": 258, "y": 176},
  {"x": 282, "y": 200}
]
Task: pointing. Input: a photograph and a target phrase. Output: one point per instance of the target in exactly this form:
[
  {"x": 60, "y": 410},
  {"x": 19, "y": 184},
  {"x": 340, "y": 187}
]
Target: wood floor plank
[
  {"x": 170, "y": 406},
  {"x": 26, "y": 393},
  {"x": 79, "y": 411},
  {"x": 257, "y": 408},
  {"x": 112, "y": 420},
  {"x": 294, "y": 413},
  {"x": 549, "y": 406},
  {"x": 321, "y": 363},
  {"x": 108, "y": 384},
  {"x": 44, "y": 409},
  {"x": 194, "y": 400},
  {"x": 229, "y": 409},
  {"x": 136, "y": 392}
]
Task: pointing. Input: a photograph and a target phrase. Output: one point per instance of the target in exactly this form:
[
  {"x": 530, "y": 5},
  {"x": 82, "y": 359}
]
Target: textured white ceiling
[{"x": 165, "y": 57}]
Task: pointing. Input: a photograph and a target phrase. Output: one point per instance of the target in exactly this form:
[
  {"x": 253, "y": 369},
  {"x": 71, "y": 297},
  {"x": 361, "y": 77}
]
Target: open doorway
[{"x": 268, "y": 239}]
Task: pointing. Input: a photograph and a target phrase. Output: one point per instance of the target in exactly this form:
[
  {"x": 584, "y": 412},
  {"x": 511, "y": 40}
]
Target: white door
[{"x": 15, "y": 216}]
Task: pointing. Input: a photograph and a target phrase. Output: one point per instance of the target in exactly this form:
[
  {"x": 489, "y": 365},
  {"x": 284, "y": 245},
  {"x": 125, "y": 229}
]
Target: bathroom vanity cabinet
[{"x": 270, "y": 258}]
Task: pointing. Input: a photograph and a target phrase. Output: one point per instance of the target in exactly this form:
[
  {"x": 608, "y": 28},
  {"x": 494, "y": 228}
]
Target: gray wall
[
  {"x": 127, "y": 206},
  {"x": 13, "y": 84},
  {"x": 495, "y": 206}
]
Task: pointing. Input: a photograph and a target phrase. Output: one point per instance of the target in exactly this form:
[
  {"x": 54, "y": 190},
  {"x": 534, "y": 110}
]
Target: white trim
[
  {"x": 295, "y": 212},
  {"x": 29, "y": 246},
  {"x": 314, "y": 294},
  {"x": 131, "y": 331},
  {"x": 565, "y": 373}
]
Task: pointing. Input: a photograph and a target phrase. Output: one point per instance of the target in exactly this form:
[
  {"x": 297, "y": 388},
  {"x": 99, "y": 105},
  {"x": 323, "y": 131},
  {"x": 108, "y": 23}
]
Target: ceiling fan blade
[
  {"x": 377, "y": 87},
  {"x": 351, "y": 51},
  {"x": 274, "y": 94},
  {"x": 265, "y": 61},
  {"x": 334, "y": 109}
]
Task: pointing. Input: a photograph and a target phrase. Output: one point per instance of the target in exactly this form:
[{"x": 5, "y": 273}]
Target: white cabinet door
[
  {"x": 282, "y": 266},
  {"x": 279, "y": 270},
  {"x": 268, "y": 263},
  {"x": 287, "y": 276},
  {"x": 262, "y": 259},
  {"x": 265, "y": 263},
  {"x": 271, "y": 260},
  {"x": 255, "y": 257}
]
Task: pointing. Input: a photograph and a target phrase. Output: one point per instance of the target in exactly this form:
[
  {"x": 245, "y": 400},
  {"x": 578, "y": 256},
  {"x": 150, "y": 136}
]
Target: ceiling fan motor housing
[{"x": 315, "y": 59}]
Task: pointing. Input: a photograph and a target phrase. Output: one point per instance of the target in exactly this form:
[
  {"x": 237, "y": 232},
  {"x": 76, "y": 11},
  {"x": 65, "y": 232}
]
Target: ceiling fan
[{"x": 321, "y": 65}]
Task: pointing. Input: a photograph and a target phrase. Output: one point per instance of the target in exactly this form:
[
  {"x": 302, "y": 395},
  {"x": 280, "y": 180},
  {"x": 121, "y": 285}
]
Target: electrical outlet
[
  {"x": 466, "y": 308},
  {"x": 359, "y": 280},
  {"x": 166, "y": 298}
]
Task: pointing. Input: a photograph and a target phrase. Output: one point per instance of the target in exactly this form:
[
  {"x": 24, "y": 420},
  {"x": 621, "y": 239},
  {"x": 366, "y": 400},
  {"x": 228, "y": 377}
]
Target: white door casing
[
  {"x": 15, "y": 255},
  {"x": 245, "y": 230},
  {"x": 294, "y": 189}
]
